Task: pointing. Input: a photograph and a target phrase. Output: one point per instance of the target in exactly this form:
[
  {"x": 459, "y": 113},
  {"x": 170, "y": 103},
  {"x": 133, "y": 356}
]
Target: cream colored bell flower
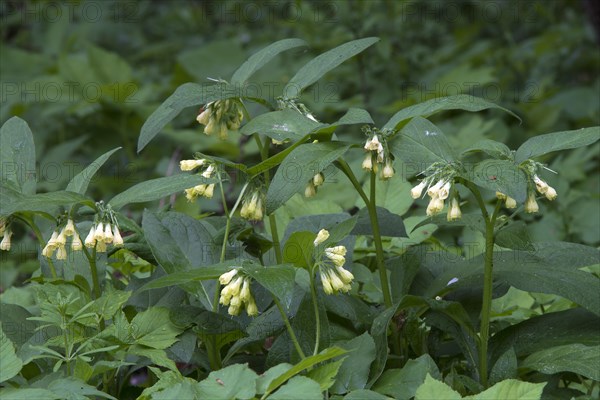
[
  {"x": 551, "y": 193},
  {"x": 367, "y": 163},
  {"x": 99, "y": 233},
  {"x": 318, "y": 179},
  {"x": 117, "y": 238},
  {"x": 310, "y": 190},
  {"x": 435, "y": 206},
  {"x": 531, "y": 205},
  {"x": 76, "y": 244},
  {"x": 388, "y": 170},
  {"x": 454, "y": 212},
  {"x": 108, "y": 235},
  {"x": 69, "y": 229},
  {"x": 190, "y": 165},
  {"x": 416, "y": 191},
  {"x": 322, "y": 236},
  {"x": 6, "y": 240},
  {"x": 90, "y": 239}
]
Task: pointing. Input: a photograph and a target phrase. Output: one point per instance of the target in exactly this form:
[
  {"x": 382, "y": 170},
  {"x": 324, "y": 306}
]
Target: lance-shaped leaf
[
  {"x": 543, "y": 144},
  {"x": 429, "y": 107},
  {"x": 320, "y": 65},
  {"x": 43, "y": 202},
  {"x": 492, "y": 148},
  {"x": 259, "y": 59},
  {"x": 277, "y": 279},
  {"x": 502, "y": 176},
  {"x": 17, "y": 155},
  {"x": 80, "y": 182},
  {"x": 422, "y": 143},
  {"x": 281, "y": 125}
]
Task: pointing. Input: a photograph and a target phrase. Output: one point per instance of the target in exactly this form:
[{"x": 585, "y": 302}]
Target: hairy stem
[
  {"x": 313, "y": 293},
  {"x": 288, "y": 326}
]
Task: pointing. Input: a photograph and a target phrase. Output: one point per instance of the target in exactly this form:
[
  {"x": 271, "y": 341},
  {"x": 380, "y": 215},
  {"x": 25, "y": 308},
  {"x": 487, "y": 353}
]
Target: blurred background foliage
[{"x": 86, "y": 74}]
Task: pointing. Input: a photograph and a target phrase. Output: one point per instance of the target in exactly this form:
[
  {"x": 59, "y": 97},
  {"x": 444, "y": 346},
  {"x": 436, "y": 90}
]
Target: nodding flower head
[
  {"x": 190, "y": 165},
  {"x": 221, "y": 116},
  {"x": 388, "y": 170},
  {"x": 531, "y": 205},
  {"x": 367, "y": 163},
  {"x": 435, "y": 206},
  {"x": 310, "y": 190},
  {"x": 416, "y": 191},
  {"x": 454, "y": 212},
  {"x": 318, "y": 179},
  {"x": 236, "y": 293},
  {"x": 322, "y": 236},
  {"x": 333, "y": 275},
  {"x": 252, "y": 207},
  {"x": 6, "y": 240}
]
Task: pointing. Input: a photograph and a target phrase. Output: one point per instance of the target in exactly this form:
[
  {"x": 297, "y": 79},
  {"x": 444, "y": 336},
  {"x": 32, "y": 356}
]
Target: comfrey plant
[{"x": 305, "y": 285}]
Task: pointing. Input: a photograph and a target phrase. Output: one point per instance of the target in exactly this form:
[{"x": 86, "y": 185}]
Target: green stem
[
  {"x": 40, "y": 239},
  {"x": 385, "y": 285},
  {"x": 313, "y": 293},
  {"x": 215, "y": 302},
  {"x": 288, "y": 326},
  {"x": 93, "y": 270}
]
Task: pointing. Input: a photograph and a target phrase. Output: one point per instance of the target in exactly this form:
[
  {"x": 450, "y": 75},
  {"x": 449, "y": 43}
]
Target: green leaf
[
  {"x": 429, "y": 107},
  {"x": 281, "y": 125},
  {"x": 260, "y": 58},
  {"x": 320, "y": 65},
  {"x": 157, "y": 356},
  {"x": 277, "y": 279},
  {"x": 492, "y": 148},
  {"x": 28, "y": 394},
  {"x": 80, "y": 182},
  {"x": 111, "y": 301},
  {"x": 434, "y": 389},
  {"x": 515, "y": 236},
  {"x": 421, "y": 143},
  {"x": 511, "y": 389},
  {"x": 17, "y": 155},
  {"x": 308, "y": 362},
  {"x": 403, "y": 383},
  {"x": 390, "y": 224},
  {"x": 153, "y": 328},
  {"x": 186, "y": 95},
  {"x": 74, "y": 389},
  {"x": 544, "y": 144},
  {"x": 264, "y": 380},
  {"x": 363, "y": 394},
  {"x": 353, "y": 116},
  {"x": 502, "y": 176},
  {"x": 354, "y": 372},
  {"x": 233, "y": 382},
  {"x": 576, "y": 357},
  {"x": 505, "y": 367},
  {"x": 298, "y": 249},
  {"x": 109, "y": 67},
  {"x": 298, "y": 388},
  {"x": 44, "y": 202},
  {"x": 298, "y": 168},
  {"x": 183, "y": 277},
  {"x": 154, "y": 189},
  {"x": 11, "y": 364},
  {"x": 325, "y": 374}
]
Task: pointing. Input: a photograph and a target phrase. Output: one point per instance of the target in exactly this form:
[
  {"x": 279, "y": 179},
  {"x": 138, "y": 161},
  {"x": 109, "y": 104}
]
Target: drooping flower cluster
[
  {"x": 103, "y": 234},
  {"x": 221, "y": 116},
  {"x": 6, "y": 235},
  {"x": 204, "y": 190},
  {"x": 438, "y": 187},
  {"x": 376, "y": 147},
  {"x": 236, "y": 293},
  {"x": 253, "y": 206},
  {"x": 313, "y": 184},
  {"x": 535, "y": 183},
  {"x": 58, "y": 242},
  {"x": 334, "y": 277},
  {"x": 509, "y": 202}
]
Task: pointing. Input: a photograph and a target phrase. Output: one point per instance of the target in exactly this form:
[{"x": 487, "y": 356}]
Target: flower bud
[
  {"x": 540, "y": 185},
  {"x": 61, "y": 239},
  {"x": 277, "y": 142},
  {"x": 310, "y": 190},
  {"x": 551, "y": 193},
  {"x": 510, "y": 203},
  {"x": 208, "y": 192},
  {"x": 454, "y": 212},
  {"x": 322, "y": 236},
  {"x": 245, "y": 294},
  {"x": 336, "y": 282},
  {"x": 204, "y": 116},
  {"x": 5, "y": 244},
  {"x": 326, "y": 284},
  {"x": 338, "y": 250},
  {"x": 367, "y": 163},
  {"x": 225, "y": 278},
  {"x": 76, "y": 243},
  {"x": 251, "y": 308},
  {"x": 346, "y": 276},
  {"x": 190, "y": 165},
  {"x": 435, "y": 206},
  {"x": 99, "y": 233},
  {"x": 338, "y": 260},
  {"x": 388, "y": 170},
  {"x": 418, "y": 190},
  {"x": 69, "y": 229},
  {"x": 61, "y": 253},
  {"x": 531, "y": 205},
  {"x": 501, "y": 196},
  {"x": 90, "y": 240},
  {"x": 318, "y": 179},
  {"x": 108, "y": 236}
]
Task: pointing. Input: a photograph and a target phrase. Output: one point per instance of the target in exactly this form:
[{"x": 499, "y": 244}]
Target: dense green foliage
[{"x": 229, "y": 283}]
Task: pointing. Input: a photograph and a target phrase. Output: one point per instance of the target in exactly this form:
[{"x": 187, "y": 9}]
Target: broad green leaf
[
  {"x": 491, "y": 148},
  {"x": 429, "y": 107},
  {"x": 434, "y": 389},
  {"x": 277, "y": 279},
  {"x": 298, "y": 388},
  {"x": 515, "y": 236},
  {"x": 17, "y": 155},
  {"x": 511, "y": 389},
  {"x": 264, "y": 380},
  {"x": 323, "y": 63},
  {"x": 188, "y": 389},
  {"x": 298, "y": 249},
  {"x": 354, "y": 372},
  {"x": 576, "y": 357},
  {"x": 108, "y": 67},
  {"x": 421, "y": 143},
  {"x": 233, "y": 382},
  {"x": 505, "y": 367},
  {"x": 80, "y": 182},
  {"x": 403, "y": 383},
  {"x": 28, "y": 394},
  {"x": 186, "y": 95},
  {"x": 363, "y": 394},
  {"x": 275, "y": 160},
  {"x": 390, "y": 224},
  {"x": 502, "y": 176},
  {"x": 308, "y": 362},
  {"x": 111, "y": 301},
  {"x": 11, "y": 364},
  {"x": 157, "y": 188},
  {"x": 325, "y": 374},
  {"x": 157, "y": 356},
  {"x": 260, "y": 58},
  {"x": 45, "y": 202},
  {"x": 153, "y": 328},
  {"x": 71, "y": 388},
  {"x": 543, "y": 144},
  {"x": 298, "y": 169},
  {"x": 281, "y": 125},
  {"x": 393, "y": 195},
  {"x": 550, "y": 330},
  {"x": 183, "y": 277},
  {"x": 352, "y": 117}
]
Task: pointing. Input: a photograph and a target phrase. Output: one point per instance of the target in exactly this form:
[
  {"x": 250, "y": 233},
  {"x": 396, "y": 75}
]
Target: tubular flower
[
  {"x": 190, "y": 165},
  {"x": 310, "y": 190},
  {"x": 117, "y": 239},
  {"x": 435, "y": 206},
  {"x": 90, "y": 239},
  {"x": 531, "y": 205},
  {"x": 322, "y": 236},
  {"x": 5, "y": 244},
  {"x": 454, "y": 212},
  {"x": 2, "y": 225},
  {"x": 367, "y": 163},
  {"x": 76, "y": 243},
  {"x": 108, "y": 235},
  {"x": 69, "y": 229},
  {"x": 441, "y": 189},
  {"x": 388, "y": 170},
  {"x": 416, "y": 191},
  {"x": 61, "y": 253},
  {"x": 551, "y": 193},
  {"x": 336, "y": 255},
  {"x": 252, "y": 207},
  {"x": 318, "y": 179},
  {"x": 509, "y": 202},
  {"x": 99, "y": 233},
  {"x": 236, "y": 294},
  {"x": 545, "y": 189},
  {"x": 61, "y": 239},
  {"x": 220, "y": 117}
]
